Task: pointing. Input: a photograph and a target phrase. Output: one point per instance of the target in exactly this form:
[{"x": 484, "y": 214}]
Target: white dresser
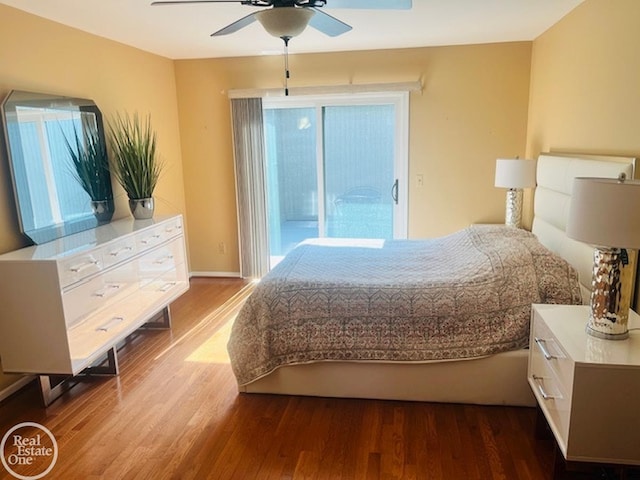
[
  {"x": 66, "y": 303},
  {"x": 588, "y": 388}
]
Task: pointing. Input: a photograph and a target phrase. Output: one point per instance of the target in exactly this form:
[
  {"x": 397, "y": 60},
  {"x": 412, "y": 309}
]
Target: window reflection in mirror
[{"x": 51, "y": 202}]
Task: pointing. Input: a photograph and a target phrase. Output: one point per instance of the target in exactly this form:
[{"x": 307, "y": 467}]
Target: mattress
[{"x": 465, "y": 295}]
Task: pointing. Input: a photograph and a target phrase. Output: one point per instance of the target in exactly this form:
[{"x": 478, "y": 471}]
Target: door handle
[{"x": 394, "y": 192}]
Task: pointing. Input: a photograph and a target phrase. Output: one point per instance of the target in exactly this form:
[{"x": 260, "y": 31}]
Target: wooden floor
[{"x": 174, "y": 413}]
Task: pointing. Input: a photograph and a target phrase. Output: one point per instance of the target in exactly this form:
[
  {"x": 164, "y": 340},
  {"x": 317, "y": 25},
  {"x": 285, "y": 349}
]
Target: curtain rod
[{"x": 327, "y": 90}]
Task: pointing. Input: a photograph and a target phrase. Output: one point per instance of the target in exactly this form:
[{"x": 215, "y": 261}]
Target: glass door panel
[
  {"x": 359, "y": 152},
  {"x": 292, "y": 182}
]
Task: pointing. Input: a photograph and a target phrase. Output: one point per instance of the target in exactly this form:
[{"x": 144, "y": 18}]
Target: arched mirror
[{"x": 43, "y": 134}]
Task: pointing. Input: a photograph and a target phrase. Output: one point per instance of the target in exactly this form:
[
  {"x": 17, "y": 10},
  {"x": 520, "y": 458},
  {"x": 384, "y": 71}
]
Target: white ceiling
[{"x": 183, "y": 31}]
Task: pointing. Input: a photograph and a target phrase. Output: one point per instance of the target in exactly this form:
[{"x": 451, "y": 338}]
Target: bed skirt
[{"x": 499, "y": 379}]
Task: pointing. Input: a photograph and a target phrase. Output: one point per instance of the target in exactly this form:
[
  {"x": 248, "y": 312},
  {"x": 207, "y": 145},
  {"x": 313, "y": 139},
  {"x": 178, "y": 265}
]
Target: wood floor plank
[{"x": 174, "y": 413}]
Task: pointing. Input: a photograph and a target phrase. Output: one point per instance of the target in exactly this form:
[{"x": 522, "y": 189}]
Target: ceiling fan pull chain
[{"x": 286, "y": 65}]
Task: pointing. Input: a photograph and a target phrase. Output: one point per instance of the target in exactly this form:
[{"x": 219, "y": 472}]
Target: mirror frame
[{"x": 85, "y": 218}]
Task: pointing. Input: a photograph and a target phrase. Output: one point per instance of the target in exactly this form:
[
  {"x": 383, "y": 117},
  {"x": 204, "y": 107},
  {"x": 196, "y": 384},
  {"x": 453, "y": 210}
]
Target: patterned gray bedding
[{"x": 464, "y": 295}]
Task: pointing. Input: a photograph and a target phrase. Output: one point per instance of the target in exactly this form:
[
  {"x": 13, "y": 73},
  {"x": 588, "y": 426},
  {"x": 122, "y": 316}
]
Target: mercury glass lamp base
[
  {"x": 513, "y": 216},
  {"x": 610, "y": 294},
  {"x": 607, "y": 336}
]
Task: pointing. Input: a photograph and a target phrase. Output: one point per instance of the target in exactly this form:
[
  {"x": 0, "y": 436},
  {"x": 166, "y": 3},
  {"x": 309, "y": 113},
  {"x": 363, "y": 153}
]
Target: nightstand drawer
[
  {"x": 551, "y": 394},
  {"x": 552, "y": 354}
]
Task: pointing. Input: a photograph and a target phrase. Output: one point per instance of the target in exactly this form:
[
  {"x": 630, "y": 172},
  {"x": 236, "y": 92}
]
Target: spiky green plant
[
  {"x": 88, "y": 153},
  {"x": 134, "y": 160}
]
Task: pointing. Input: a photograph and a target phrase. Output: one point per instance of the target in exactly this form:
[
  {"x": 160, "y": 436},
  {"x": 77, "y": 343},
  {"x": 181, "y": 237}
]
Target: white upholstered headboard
[{"x": 555, "y": 174}]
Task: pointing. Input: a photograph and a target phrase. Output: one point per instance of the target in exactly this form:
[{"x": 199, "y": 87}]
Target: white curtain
[{"x": 249, "y": 155}]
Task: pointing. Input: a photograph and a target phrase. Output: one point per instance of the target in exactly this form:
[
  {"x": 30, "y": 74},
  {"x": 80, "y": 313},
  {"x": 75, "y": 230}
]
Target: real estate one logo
[{"x": 28, "y": 451}]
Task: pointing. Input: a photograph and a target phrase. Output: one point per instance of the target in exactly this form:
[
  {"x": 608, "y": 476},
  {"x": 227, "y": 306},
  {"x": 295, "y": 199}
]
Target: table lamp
[
  {"x": 605, "y": 212},
  {"x": 514, "y": 175}
]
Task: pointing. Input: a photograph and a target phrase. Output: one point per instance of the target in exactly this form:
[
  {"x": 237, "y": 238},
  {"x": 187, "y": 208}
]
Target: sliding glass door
[{"x": 336, "y": 167}]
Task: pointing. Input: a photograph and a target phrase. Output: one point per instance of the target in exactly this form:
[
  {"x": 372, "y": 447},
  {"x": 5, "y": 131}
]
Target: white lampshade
[
  {"x": 515, "y": 173},
  {"x": 605, "y": 212},
  {"x": 285, "y": 21}
]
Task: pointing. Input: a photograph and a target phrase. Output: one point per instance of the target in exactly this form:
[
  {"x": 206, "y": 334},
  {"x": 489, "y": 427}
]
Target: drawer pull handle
[
  {"x": 542, "y": 344},
  {"x": 122, "y": 250},
  {"x": 83, "y": 266},
  {"x": 167, "y": 286},
  {"x": 170, "y": 229},
  {"x": 150, "y": 239},
  {"x": 541, "y": 389},
  {"x": 543, "y": 393},
  {"x": 105, "y": 291},
  {"x": 161, "y": 260},
  {"x": 111, "y": 323}
]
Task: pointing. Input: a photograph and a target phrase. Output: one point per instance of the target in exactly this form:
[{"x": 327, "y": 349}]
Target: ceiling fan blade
[
  {"x": 235, "y": 26},
  {"x": 327, "y": 24},
  {"x": 371, "y": 4}
]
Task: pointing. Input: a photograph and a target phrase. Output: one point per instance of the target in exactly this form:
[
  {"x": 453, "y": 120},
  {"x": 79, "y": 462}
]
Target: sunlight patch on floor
[{"x": 214, "y": 349}]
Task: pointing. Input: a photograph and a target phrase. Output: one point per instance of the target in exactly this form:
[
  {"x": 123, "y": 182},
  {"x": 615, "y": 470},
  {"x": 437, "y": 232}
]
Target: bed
[{"x": 477, "y": 306}]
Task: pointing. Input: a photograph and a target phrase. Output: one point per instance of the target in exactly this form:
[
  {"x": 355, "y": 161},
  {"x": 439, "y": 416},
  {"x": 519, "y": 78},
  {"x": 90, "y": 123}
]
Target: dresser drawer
[
  {"x": 149, "y": 238},
  {"x": 174, "y": 279},
  {"x": 172, "y": 228},
  {"x": 78, "y": 267},
  {"x": 103, "y": 329},
  {"x": 162, "y": 259},
  {"x": 119, "y": 251},
  {"x": 166, "y": 288},
  {"x": 84, "y": 298},
  {"x": 159, "y": 234}
]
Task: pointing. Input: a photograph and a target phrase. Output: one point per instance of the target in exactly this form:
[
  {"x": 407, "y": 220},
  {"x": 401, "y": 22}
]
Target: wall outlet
[
  {"x": 420, "y": 180},
  {"x": 222, "y": 248}
]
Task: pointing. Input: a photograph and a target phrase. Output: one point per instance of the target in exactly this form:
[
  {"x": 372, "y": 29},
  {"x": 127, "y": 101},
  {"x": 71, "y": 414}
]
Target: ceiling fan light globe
[{"x": 285, "y": 21}]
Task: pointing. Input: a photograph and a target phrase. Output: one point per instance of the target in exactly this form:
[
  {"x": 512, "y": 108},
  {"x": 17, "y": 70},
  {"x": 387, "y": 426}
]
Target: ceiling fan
[{"x": 288, "y": 18}]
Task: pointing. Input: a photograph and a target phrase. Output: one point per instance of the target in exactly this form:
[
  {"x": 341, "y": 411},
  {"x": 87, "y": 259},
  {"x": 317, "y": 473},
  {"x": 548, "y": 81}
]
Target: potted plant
[
  {"x": 135, "y": 162},
  {"x": 88, "y": 153}
]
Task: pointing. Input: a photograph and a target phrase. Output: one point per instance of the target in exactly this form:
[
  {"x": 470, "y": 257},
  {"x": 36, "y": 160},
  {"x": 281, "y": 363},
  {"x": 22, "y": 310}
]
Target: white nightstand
[{"x": 587, "y": 388}]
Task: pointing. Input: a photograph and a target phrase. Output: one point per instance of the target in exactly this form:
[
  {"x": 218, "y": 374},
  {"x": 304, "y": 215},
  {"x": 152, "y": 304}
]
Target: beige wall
[
  {"x": 473, "y": 109},
  {"x": 585, "y": 82},
  {"x": 42, "y": 56},
  {"x": 585, "y": 78}
]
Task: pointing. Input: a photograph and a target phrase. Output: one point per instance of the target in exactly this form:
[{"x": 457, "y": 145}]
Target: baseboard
[
  {"x": 215, "y": 274},
  {"x": 14, "y": 387}
]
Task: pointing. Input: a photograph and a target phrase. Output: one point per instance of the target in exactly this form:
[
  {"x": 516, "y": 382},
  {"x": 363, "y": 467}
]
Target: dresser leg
[
  {"x": 51, "y": 390},
  {"x": 161, "y": 321},
  {"x": 110, "y": 368}
]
